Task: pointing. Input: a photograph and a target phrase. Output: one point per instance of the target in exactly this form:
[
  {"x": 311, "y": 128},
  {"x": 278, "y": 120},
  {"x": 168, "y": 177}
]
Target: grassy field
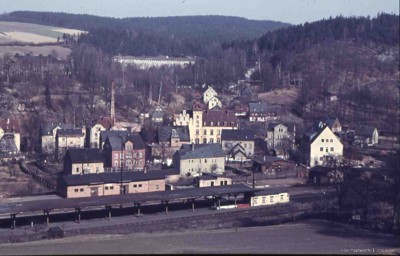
[{"x": 27, "y": 32}]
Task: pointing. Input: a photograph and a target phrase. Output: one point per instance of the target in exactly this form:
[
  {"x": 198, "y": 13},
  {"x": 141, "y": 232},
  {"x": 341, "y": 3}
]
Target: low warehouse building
[{"x": 269, "y": 197}]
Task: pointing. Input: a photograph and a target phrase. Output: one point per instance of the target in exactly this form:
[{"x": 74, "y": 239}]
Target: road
[{"x": 312, "y": 236}]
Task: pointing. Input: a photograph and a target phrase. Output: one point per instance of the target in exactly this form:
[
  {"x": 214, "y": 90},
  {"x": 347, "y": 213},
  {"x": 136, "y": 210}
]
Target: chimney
[{"x": 113, "y": 102}]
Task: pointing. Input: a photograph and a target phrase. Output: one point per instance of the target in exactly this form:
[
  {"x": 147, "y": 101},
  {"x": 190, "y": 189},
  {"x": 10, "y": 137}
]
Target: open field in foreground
[{"x": 312, "y": 236}]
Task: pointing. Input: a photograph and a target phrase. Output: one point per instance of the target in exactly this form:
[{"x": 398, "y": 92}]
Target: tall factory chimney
[{"x": 113, "y": 102}]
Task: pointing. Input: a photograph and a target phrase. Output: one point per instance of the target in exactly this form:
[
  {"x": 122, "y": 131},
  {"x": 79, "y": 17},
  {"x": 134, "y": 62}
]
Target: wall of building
[
  {"x": 326, "y": 144},
  {"x": 215, "y": 183},
  {"x": 206, "y": 165},
  {"x": 95, "y": 135},
  {"x": 77, "y": 168},
  {"x": 269, "y": 199},
  {"x": 247, "y": 145}
]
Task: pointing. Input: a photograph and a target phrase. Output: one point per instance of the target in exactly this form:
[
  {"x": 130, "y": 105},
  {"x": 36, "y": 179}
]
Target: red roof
[
  {"x": 199, "y": 106},
  {"x": 219, "y": 116},
  {"x": 106, "y": 122},
  {"x": 10, "y": 125}
]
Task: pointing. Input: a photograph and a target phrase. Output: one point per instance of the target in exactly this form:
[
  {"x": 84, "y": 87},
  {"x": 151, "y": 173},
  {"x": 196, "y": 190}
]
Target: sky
[{"x": 291, "y": 11}]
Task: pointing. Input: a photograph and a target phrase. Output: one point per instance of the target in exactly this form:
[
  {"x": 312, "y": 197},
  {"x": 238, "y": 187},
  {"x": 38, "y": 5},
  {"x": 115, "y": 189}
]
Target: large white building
[
  {"x": 149, "y": 62},
  {"x": 321, "y": 146}
]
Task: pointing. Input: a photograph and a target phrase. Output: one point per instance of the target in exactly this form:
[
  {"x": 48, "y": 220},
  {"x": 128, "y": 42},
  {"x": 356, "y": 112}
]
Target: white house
[
  {"x": 209, "y": 94},
  {"x": 269, "y": 197},
  {"x": 214, "y": 102},
  {"x": 321, "y": 145}
]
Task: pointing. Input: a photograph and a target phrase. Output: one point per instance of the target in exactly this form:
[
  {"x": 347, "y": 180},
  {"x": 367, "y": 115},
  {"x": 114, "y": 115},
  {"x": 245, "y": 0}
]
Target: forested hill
[
  {"x": 382, "y": 29},
  {"x": 176, "y": 36}
]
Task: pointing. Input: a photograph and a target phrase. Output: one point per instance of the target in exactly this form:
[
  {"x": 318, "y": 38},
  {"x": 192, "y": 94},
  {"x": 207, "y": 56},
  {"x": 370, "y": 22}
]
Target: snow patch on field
[
  {"x": 69, "y": 31},
  {"x": 29, "y": 37}
]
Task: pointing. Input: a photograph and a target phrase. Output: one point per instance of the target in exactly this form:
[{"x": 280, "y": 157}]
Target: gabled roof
[
  {"x": 198, "y": 106},
  {"x": 105, "y": 134},
  {"x": 166, "y": 132},
  {"x": 236, "y": 150},
  {"x": 200, "y": 151},
  {"x": 219, "y": 116},
  {"x": 47, "y": 129},
  {"x": 117, "y": 142},
  {"x": 84, "y": 155},
  {"x": 7, "y": 144},
  {"x": 258, "y": 107},
  {"x": 270, "y": 191},
  {"x": 70, "y": 132},
  {"x": 364, "y": 130},
  {"x": 106, "y": 122},
  {"x": 10, "y": 125},
  {"x": 237, "y": 135},
  {"x": 290, "y": 126}
]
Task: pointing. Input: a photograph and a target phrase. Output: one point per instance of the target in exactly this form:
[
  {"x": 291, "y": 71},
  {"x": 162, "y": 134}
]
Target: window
[
  {"x": 197, "y": 132},
  {"x": 77, "y": 169},
  {"x": 205, "y": 132},
  {"x": 321, "y": 149},
  {"x": 135, "y": 186},
  {"x": 204, "y": 141},
  {"x": 263, "y": 200},
  {"x": 211, "y": 140},
  {"x": 205, "y": 160},
  {"x": 116, "y": 156},
  {"x": 225, "y": 182},
  {"x": 331, "y": 149},
  {"x": 212, "y": 183},
  {"x": 211, "y": 124},
  {"x": 157, "y": 187},
  {"x": 322, "y": 140},
  {"x": 211, "y": 132},
  {"x": 221, "y": 183},
  {"x": 140, "y": 185},
  {"x": 271, "y": 199},
  {"x": 281, "y": 197},
  {"x": 76, "y": 190},
  {"x": 326, "y": 149},
  {"x": 81, "y": 190},
  {"x": 245, "y": 145},
  {"x": 97, "y": 169},
  {"x": 218, "y": 140},
  {"x": 331, "y": 140},
  {"x": 106, "y": 188},
  {"x": 111, "y": 187}
]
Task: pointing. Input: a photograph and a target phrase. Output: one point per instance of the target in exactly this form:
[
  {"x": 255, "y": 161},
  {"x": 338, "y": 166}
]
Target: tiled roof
[
  {"x": 117, "y": 142},
  {"x": 106, "y": 122},
  {"x": 166, "y": 132},
  {"x": 219, "y": 116},
  {"x": 364, "y": 130},
  {"x": 47, "y": 129},
  {"x": 7, "y": 144},
  {"x": 237, "y": 135},
  {"x": 70, "y": 132},
  {"x": 85, "y": 155},
  {"x": 10, "y": 125},
  {"x": 289, "y": 126},
  {"x": 115, "y": 177},
  {"x": 201, "y": 151},
  {"x": 105, "y": 134},
  {"x": 258, "y": 107}
]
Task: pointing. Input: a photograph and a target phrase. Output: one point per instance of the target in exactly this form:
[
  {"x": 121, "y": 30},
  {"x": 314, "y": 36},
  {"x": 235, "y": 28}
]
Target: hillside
[
  {"x": 31, "y": 33},
  {"x": 175, "y": 36},
  {"x": 355, "y": 59}
]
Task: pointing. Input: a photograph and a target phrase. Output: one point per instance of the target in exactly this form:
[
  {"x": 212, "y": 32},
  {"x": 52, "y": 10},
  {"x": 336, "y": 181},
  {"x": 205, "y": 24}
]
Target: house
[
  {"x": 125, "y": 152},
  {"x": 103, "y": 124},
  {"x": 269, "y": 197},
  {"x": 192, "y": 160},
  {"x": 158, "y": 115},
  {"x": 325, "y": 175},
  {"x": 366, "y": 136},
  {"x": 261, "y": 112},
  {"x": 48, "y": 134},
  {"x": 170, "y": 139},
  {"x": 69, "y": 138},
  {"x": 281, "y": 138},
  {"x": 105, "y": 134},
  {"x": 388, "y": 139},
  {"x": 11, "y": 126},
  {"x": 240, "y": 110},
  {"x": 212, "y": 180},
  {"x": 333, "y": 123},
  {"x": 320, "y": 146},
  {"x": 209, "y": 94},
  {"x": 114, "y": 183},
  {"x": 238, "y": 144},
  {"x": 272, "y": 164},
  {"x": 78, "y": 161},
  {"x": 205, "y": 126},
  {"x": 8, "y": 149}
]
